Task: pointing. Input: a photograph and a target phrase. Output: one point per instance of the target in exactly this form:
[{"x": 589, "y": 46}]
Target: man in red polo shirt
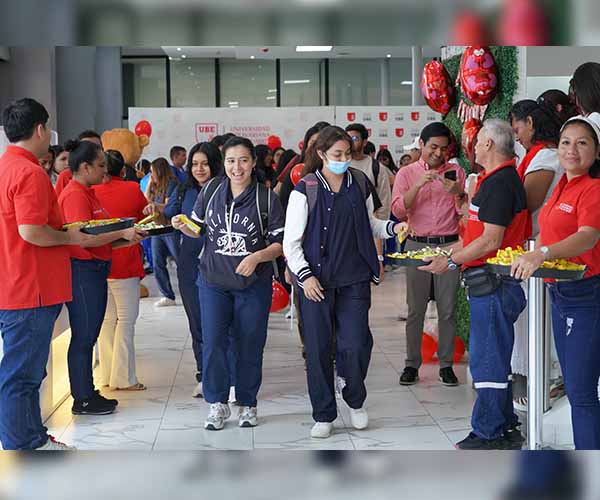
[
  {"x": 497, "y": 219},
  {"x": 36, "y": 275}
]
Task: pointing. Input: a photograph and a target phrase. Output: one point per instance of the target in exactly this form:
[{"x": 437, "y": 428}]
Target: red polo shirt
[
  {"x": 32, "y": 276},
  {"x": 124, "y": 199},
  {"x": 573, "y": 204},
  {"x": 499, "y": 199},
  {"x": 79, "y": 203},
  {"x": 63, "y": 179}
]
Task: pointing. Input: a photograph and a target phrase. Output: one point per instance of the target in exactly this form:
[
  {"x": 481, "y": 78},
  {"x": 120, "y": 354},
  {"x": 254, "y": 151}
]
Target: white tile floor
[{"x": 427, "y": 416}]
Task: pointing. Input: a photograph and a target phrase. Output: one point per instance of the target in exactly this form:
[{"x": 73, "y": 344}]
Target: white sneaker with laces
[
  {"x": 359, "y": 418},
  {"x": 219, "y": 412},
  {"x": 232, "y": 399},
  {"x": 53, "y": 445},
  {"x": 165, "y": 302},
  {"x": 247, "y": 417},
  {"x": 197, "y": 392},
  {"x": 321, "y": 430}
]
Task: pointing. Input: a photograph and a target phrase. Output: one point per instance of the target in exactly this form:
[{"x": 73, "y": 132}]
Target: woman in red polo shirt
[
  {"x": 90, "y": 267},
  {"x": 570, "y": 229},
  {"x": 116, "y": 345}
]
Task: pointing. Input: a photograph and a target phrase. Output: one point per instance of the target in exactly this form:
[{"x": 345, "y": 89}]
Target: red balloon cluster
[
  {"x": 143, "y": 127},
  {"x": 296, "y": 173},
  {"x": 429, "y": 347},
  {"x": 478, "y": 75},
  {"x": 469, "y": 133},
  {"x": 280, "y": 298},
  {"x": 273, "y": 142},
  {"x": 437, "y": 88}
]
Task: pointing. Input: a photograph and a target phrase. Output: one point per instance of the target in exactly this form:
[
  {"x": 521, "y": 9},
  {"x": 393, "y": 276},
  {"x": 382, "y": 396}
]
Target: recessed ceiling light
[
  {"x": 271, "y": 98},
  {"x": 178, "y": 49},
  {"x": 314, "y": 48},
  {"x": 233, "y": 103},
  {"x": 252, "y": 57},
  {"x": 406, "y": 82},
  {"x": 291, "y": 82},
  {"x": 388, "y": 55},
  {"x": 183, "y": 56}
]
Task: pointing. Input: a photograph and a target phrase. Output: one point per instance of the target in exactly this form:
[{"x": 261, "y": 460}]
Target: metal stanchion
[
  {"x": 535, "y": 379},
  {"x": 292, "y": 309}
]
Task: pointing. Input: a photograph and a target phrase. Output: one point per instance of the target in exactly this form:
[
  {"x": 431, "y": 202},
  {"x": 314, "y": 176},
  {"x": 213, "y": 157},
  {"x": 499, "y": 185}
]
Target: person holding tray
[
  {"x": 204, "y": 163},
  {"x": 570, "y": 229},
  {"x": 243, "y": 220},
  {"x": 116, "y": 344},
  {"x": 330, "y": 250},
  {"x": 90, "y": 265}
]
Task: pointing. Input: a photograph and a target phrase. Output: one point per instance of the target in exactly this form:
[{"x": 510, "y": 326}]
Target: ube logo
[
  {"x": 383, "y": 132},
  {"x": 206, "y": 131},
  {"x": 383, "y": 116},
  {"x": 399, "y": 132},
  {"x": 399, "y": 117},
  {"x": 415, "y": 116},
  {"x": 369, "y": 132},
  {"x": 351, "y": 116},
  {"x": 430, "y": 117},
  {"x": 367, "y": 117}
]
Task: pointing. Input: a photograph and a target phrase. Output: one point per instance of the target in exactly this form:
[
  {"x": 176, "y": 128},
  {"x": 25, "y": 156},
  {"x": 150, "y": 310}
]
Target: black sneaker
[
  {"x": 92, "y": 407},
  {"x": 447, "y": 377},
  {"x": 474, "y": 442},
  {"x": 99, "y": 397},
  {"x": 514, "y": 438},
  {"x": 410, "y": 376}
]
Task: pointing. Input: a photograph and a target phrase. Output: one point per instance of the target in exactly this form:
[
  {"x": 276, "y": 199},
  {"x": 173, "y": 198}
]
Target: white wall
[{"x": 558, "y": 61}]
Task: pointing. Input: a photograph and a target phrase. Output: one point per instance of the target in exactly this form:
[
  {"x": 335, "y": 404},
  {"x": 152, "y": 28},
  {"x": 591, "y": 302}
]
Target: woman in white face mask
[{"x": 328, "y": 243}]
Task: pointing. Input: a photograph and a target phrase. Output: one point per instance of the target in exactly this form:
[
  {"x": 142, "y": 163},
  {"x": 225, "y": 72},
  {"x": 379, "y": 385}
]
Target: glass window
[
  {"x": 248, "y": 83},
  {"x": 355, "y": 82},
  {"x": 193, "y": 83},
  {"x": 401, "y": 81},
  {"x": 302, "y": 82},
  {"x": 144, "y": 83}
]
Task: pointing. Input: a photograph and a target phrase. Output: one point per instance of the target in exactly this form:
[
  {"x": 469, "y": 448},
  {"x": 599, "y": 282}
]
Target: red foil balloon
[
  {"x": 478, "y": 75},
  {"x": 469, "y": 133},
  {"x": 468, "y": 28},
  {"x": 428, "y": 348},
  {"x": 280, "y": 298},
  {"x": 523, "y": 22},
  {"x": 459, "y": 349},
  {"x": 273, "y": 142},
  {"x": 436, "y": 87},
  {"x": 296, "y": 173},
  {"x": 143, "y": 127}
]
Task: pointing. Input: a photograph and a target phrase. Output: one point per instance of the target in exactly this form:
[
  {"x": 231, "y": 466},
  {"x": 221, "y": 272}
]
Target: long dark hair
[
  {"x": 164, "y": 174},
  {"x": 586, "y": 87},
  {"x": 555, "y": 98},
  {"x": 114, "y": 162},
  {"x": 385, "y": 152},
  {"x": 594, "y": 170},
  {"x": 546, "y": 122},
  {"x": 264, "y": 172},
  {"x": 81, "y": 152},
  {"x": 327, "y": 138},
  {"x": 215, "y": 162},
  {"x": 315, "y": 129},
  {"x": 284, "y": 159}
]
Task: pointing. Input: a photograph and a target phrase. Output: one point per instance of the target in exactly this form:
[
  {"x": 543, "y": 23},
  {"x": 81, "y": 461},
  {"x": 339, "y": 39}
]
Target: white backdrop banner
[
  {"x": 187, "y": 126},
  {"x": 390, "y": 127}
]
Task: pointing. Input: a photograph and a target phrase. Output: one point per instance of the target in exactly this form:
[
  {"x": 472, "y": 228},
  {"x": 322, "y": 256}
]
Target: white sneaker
[
  {"x": 321, "y": 430},
  {"x": 359, "y": 418},
  {"x": 340, "y": 383},
  {"x": 288, "y": 314},
  {"x": 247, "y": 416},
  {"x": 232, "y": 399},
  {"x": 197, "y": 392},
  {"x": 215, "y": 421},
  {"x": 165, "y": 302},
  {"x": 54, "y": 445}
]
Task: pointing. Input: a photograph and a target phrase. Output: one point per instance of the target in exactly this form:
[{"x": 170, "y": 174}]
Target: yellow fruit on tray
[
  {"x": 506, "y": 256},
  {"x": 421, "y": 254},
  {"x": 91, "y": 223}
]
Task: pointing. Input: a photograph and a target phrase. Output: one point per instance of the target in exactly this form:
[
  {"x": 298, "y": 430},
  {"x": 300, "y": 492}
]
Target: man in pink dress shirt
[{"x": 426, "y": 194}]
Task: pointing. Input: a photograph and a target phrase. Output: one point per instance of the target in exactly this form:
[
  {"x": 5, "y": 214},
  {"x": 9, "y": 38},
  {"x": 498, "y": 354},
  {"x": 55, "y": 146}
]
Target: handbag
[{"x": 479, "y": 281}]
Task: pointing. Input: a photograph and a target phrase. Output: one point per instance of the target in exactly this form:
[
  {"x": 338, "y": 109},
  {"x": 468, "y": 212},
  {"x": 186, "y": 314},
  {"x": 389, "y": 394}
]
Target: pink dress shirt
[{"x": 434, "y": 211}]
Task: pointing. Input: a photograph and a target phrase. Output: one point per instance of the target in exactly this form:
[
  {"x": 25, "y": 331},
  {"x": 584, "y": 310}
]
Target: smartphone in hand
[{"x": 450, "y": 175}]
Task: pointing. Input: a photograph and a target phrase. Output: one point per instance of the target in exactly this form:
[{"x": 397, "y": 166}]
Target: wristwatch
[
  {"x": 380, "y": 258},
  {"x": 546, "y": 251},
  {"x": 452, "y": 266}
]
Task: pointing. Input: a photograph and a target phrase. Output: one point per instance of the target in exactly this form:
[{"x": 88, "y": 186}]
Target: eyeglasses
[{"x": 355, "y": 138}]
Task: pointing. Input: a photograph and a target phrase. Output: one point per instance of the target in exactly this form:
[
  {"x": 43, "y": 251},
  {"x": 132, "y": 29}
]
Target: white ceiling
[{"x": 281, "y": 52}]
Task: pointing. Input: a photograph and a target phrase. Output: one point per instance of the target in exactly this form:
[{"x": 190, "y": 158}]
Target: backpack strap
[
  {"x": 181, "y": 190},
  {"x": 263, "y": 208},
  {"x": 210, "y": 190},
  {"x": 311, "y": 183},
  {"x": 376, "y": 168},
  {"x": 362, "y": 180}
]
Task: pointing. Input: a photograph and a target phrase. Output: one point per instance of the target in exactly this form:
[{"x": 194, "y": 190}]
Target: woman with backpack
[
  {"x": 243, "y": 221},
  {"x": 204, "y": 163},
  {"x": 329, "y": 246}
]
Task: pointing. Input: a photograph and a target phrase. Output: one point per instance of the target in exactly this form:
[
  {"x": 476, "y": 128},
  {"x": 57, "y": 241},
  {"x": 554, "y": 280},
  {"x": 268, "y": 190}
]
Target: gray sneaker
[
  {"x": 219, "y": 412},
  {"x": 53, "y": 445},
  {"x": 247, "y": 416}
]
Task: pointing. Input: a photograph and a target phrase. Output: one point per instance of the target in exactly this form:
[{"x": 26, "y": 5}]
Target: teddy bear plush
[{"x": 128, "y": 144}]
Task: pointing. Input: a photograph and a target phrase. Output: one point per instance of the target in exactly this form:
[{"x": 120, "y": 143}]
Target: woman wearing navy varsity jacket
[
  {"x": 234, "y": 282},
  {"x": 330, "y": 250}
]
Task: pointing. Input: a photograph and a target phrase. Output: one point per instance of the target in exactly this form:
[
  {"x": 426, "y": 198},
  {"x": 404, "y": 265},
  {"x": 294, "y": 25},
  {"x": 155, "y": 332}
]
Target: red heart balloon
[
  {"x": 273, "y": 142},
  {"x": 143, "y": 127},
  {"x": 459, "y": 349},
  {"x": 296, "y": 173},
  {"x": 478, "y": 75},
  {"x": 280, "y": 298},
  {"x": 428, "y": 348},
  {"x": 470, "y": 130},
  {"x": 436, "y": 87}
]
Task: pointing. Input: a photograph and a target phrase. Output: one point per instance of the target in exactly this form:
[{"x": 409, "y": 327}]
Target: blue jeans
[
  {"x": 26, "y": 334},
  {"x": 163, "y": 246},
  {"x": 490, "y": 350},
  {"x": 147, "y": 248},
  {"x": 245, "y": 314},
  {"x": 86, "y": 314},
  {"x": 344, "y": 310},
  {"x": 576, "y": 325}
]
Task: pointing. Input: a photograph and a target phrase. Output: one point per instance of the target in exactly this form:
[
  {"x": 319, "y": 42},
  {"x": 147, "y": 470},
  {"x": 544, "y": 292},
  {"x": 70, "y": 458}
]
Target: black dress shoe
[
  {"x": 514, "y": 437},
  {"x": 92, "y": 407},
  {"x": 410, "y": 376},
  {"x": 447, "y": 377},
  {"x": 99, "y": 397},
  {"x": 474, "y": 442}
]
